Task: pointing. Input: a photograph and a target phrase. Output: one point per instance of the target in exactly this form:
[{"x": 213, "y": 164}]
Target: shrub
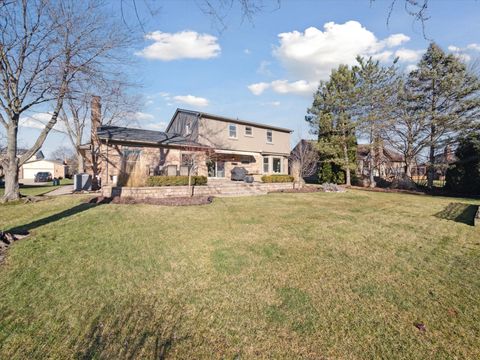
[
  {"x": 331, "y": 173},
  {"x": 175, "y": 180},
  {"x": 277, "y": 178}
]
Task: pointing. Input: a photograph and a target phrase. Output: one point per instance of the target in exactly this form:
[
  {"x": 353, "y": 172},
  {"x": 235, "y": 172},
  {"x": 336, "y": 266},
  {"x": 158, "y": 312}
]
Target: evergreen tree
[
  {"x": 331, "y": 121},
  {"x": 464, "y": 175},
  {"x": 374, "y": 102},
  {"x": 446, "y": 95}
]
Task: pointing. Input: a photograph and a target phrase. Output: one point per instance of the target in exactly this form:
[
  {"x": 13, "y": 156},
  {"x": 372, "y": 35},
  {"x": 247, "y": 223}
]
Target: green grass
[
  {"x": 314, "y": 276},
  {"x": 37, "y": 190}
]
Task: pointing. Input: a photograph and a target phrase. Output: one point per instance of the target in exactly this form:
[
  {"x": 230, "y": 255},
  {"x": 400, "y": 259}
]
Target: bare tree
[
  {"x": 304, "y": 160},
  {"x": 44, "y": 45},
  {"x": 405, "y": 130},
  {"x": 118, "y": 108}
]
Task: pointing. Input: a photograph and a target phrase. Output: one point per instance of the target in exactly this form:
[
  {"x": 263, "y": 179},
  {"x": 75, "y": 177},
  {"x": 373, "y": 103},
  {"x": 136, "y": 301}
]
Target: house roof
[
  {"x": 227, "y": 119},
  {"x": 142, "y": 136},
  {"x": 363, "y": 150}
]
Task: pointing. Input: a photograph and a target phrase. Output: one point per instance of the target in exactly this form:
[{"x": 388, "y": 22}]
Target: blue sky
[{"x": 266, "y": 71}]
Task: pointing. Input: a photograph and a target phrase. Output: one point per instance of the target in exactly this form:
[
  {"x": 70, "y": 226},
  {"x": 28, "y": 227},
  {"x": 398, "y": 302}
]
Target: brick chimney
[{"x": 96, "y": 117}]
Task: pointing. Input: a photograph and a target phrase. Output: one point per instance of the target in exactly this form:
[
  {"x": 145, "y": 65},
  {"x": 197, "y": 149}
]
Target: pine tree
[
  {"x": 332, "y": 123},
  {"x": 374, "y": 103},
  {"x": 447, "y": 96}
]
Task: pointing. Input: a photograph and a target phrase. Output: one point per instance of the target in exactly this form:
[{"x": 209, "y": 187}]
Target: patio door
[{"x": 216, "y": 169}]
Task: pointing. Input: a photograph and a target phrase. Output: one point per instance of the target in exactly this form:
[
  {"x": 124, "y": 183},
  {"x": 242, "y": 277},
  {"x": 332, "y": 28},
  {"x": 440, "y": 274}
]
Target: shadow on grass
[
  {"x": 24, "y": 229},
  {"x": 131, "y": 332},
  {"x": 458, "y": 212}
]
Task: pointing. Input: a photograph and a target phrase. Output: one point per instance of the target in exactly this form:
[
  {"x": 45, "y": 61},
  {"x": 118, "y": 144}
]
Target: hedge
[
  {"x": 175, "y": 180},
  {"x": 277, "y": 178}
]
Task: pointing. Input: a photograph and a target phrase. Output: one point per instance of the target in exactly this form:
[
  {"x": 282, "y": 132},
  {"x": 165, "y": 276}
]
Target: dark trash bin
[
  {"x": 55, "y": 182},
  {"x": 248, "y": 179}
]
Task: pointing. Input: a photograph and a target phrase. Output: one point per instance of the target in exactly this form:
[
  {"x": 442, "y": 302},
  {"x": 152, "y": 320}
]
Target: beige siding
[{"x": 215, "y": 133}]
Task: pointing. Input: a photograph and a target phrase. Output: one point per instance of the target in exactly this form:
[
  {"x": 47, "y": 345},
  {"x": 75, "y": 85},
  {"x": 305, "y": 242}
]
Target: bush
[
  {"x": 331, "y": 173},
  {"x": 175, "y": 180},
  {"x": 277, "y": 178}
]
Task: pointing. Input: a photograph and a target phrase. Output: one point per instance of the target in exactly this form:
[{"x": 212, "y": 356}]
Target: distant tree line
[{"x": 417, "y": 114}]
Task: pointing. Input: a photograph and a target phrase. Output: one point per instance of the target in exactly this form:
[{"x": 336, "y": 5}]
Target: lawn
[
  {"x": 312, "y": 276},
  {"x": 36, "y": 190}
]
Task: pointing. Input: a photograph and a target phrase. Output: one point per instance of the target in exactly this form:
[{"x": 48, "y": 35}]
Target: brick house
[{"x": 120, "y": 155}]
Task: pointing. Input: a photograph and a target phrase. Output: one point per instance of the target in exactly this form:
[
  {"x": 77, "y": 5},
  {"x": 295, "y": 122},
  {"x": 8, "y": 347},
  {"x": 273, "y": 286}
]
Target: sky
[{"x": 267, "y": 69}]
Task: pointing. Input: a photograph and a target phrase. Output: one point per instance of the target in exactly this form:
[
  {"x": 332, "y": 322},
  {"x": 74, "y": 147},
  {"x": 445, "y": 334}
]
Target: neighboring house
[
  {"x": 214, "y": 143},
  {"x": 388, "y": 162},
  {"x": 441, "y": 163},
  {"x": 38, "y": 163}
]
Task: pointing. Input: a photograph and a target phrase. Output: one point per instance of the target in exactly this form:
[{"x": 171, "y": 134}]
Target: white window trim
[
  {"x": 251, "y": 131},
  {"x": 269, "y": 165},
  {"x": 236, "y": 131},
  {"x": 266, "y": 134}
]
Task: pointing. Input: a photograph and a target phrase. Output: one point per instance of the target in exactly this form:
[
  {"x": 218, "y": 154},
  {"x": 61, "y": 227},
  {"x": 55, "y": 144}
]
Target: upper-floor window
[
  {"x": 248, "y": 131},
  {"x": 269, "y": 136},
  {"x": 187, "y": 129},
  {"x": 232, "y": 131}
]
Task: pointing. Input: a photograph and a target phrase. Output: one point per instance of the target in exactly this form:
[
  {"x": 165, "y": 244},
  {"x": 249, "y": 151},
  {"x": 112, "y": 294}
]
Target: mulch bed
[{"x": 173, "y": 201}]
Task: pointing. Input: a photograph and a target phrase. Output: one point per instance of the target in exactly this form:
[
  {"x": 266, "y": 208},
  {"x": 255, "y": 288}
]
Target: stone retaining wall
[
  {"x": 240, "y": 189},
  {"x": 476, "y": 221}
]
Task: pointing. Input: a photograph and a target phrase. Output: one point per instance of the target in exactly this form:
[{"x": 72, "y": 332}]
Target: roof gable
[{"x": 226, "y": 119}]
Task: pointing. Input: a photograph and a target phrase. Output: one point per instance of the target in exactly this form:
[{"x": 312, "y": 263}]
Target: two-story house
[
  {"x": 259, "y": 148},
  {"x": 119, "y": 154}
]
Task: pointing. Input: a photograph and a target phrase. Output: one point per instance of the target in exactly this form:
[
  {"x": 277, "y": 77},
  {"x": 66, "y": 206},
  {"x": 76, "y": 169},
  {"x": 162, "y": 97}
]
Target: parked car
[{"x": 43, "y": 177}]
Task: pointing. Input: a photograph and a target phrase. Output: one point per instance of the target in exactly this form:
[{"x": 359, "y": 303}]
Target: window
[
  {"x": 187, "y": 129},
  {"x": 266, "y": 164},
  {"x": 269, "y": 136},
  {"x": 232, "y": 131},
  {"x": 277, "y": 165},
  {"x": 248, "y": 131},
  {"x": 187, "y": 159}
]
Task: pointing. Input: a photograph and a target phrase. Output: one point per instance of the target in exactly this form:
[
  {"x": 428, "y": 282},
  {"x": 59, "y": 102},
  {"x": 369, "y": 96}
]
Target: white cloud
[
  {"x": 141, "y": 116},
  {"x": 275, "y": 103},
  {"x": 474, "y": 46},
  {"x": 410, "y": 68},
  {"x": 408, "y": 55},
  {"x": 396, "y": 40},
  {"x": 180, "y": 45},
  {"x": 247, "y": 51},
  {"x": 312, "y": 54},
  {"x": 191, "y": 100},
  {"x": 461, "y": 53},
  {"x": 384, "y": 56},
  {"x": 258, "y": 88},
  {"x": 300, "y": 87},
  {"x": 39, "y": 120},
  {"x": 263, "y": 69},
  {"x": 453, "y": 48}
]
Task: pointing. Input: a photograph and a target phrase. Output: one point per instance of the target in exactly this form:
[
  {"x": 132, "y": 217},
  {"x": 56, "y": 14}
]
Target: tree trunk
[
  {"x": 80, "y": 163},
  {"x": 372, "y": 162},
  {"x": 431, "y": 165},
  {"x": 348, "y": 181},
  {"x": 12, "y": 191}
]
